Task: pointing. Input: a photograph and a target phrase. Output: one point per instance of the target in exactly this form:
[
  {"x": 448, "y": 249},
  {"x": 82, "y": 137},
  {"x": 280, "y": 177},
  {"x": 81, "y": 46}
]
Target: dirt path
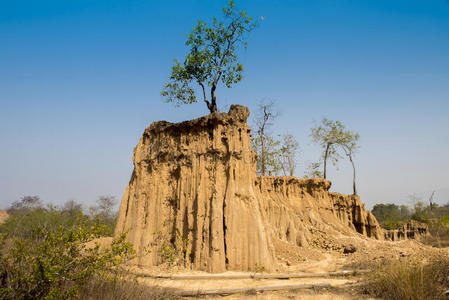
[{"x": 339, "y": 287}]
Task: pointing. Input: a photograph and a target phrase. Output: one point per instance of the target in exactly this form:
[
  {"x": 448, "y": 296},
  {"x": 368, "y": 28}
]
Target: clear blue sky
[{"x": 80, "y": 80}]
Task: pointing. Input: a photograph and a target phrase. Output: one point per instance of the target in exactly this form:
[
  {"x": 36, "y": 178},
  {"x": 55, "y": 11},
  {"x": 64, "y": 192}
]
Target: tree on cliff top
[
  {"x": 332, "y": 135},
  {"x": 288, "y": 152},
  {"x": 212, "y": 58},
  {"x": 328, "y": 135},
  {"x": 350, "y": 147},
  {"x": 265, "y": 145}
]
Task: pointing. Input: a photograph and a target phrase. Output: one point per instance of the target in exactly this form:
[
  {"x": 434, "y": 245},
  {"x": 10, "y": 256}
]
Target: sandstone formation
[
  {"x": 293, "y": 206},
  {"x": 192, "y": 185},
  {"x": 194, "y": 195},
  {"x": 410, "y": 230}
]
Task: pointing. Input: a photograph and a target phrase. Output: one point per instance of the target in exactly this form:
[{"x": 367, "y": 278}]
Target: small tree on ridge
[
  {"x": 328, "y": 135},
  {"x": 332, "y": 136},
  {"x": 288, "y": 152},
  {"x": 212, "y": 58}
]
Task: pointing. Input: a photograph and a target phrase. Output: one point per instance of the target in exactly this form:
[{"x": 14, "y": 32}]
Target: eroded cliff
[
  {"x": 297, "y": 208},
  {"x": 192, "y": 186},
  {"x": 194, "y": 194}
]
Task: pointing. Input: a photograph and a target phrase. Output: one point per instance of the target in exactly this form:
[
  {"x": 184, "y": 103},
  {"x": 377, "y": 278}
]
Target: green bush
[{"x": 53, "y": 262}]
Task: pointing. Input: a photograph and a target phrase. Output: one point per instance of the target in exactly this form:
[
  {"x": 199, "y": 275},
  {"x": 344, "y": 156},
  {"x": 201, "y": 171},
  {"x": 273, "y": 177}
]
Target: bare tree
[
  {"x": 104, "y": 207},
  {"x": 72, "y": 208},
  {"x": 25, "y": 203},
  {"x": 431, "y": 204},
  {"x": 288, "y": 152},
  {"x": 263, "y": 142},
  {"x": 350, "y": 147}
]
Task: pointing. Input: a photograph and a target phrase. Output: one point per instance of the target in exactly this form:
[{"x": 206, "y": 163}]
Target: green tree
[
  {"x": 332, "y": 136},
  {"x": 212, "y": 59},
  {"x": 328, "y": 135}
]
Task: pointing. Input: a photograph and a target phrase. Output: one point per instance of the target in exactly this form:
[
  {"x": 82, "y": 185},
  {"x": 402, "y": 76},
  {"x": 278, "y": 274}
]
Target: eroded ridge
[{"x": 194, "y": 196}]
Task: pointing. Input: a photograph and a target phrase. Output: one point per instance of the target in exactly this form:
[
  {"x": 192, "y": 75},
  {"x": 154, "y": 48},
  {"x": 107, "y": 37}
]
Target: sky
[{"x": 80, "y": 80}]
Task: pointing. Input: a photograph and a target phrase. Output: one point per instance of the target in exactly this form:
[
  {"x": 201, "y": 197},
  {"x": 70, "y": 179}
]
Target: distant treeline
[
  {"x": 30, "y": 212},
  {"x": 392, "y": 216}
]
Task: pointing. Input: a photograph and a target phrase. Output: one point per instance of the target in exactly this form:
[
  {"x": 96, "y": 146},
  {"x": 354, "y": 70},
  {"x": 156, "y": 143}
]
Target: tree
[
  {"x": 332, "y": 135},
  {"x": 265, "y": 145},
  {"x": 72, "y": 208},
  {"x": 105, "y": 204},
  {"x": 104, "y": 210},
  {"x": 25, "y": 204},
  {"x": 348, "y": 142},
  {"x": 391, "y": 216},
  {"x": 288, "y": 151},
  {"x": 328, "y": 135},
  {"x": 212, "y": 58}
]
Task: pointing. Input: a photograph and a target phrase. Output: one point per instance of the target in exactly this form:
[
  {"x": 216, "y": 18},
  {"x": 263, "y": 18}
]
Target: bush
[
  {"x": 409, "y": 280},
  {"x": 53, "y": 262}
]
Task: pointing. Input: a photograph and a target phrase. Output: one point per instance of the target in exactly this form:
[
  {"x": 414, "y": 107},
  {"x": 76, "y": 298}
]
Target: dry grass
[
  {"x": 411, "y": 280},
  {"x": 123, "y": 289},
  {"x": 438, "y": 237}
]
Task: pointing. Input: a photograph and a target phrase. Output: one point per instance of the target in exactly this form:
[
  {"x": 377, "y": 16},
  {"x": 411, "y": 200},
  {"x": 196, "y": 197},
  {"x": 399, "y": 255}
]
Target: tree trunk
[
  {"x": 325, "y": 160},
  {"x": 213, "y": 104},
  {"x": 353, "y": 175},
  {"x": 262, "y": 154}
]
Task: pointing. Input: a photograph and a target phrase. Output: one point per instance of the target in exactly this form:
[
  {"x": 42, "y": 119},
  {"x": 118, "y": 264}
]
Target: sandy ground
[
  {"x": 240, "y": 283},
  {"x": 310, "y": 259}
]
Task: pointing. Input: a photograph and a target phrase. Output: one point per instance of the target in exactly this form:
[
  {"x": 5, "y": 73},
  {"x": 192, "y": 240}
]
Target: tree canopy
[{"x": 212, "y": 59}]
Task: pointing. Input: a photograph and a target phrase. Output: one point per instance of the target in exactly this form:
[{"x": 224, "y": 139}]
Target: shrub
[
  {"x": 409, "y": 280},
  {"x": 53, "y": 263},
  {"x": 174, "y": 251}
]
